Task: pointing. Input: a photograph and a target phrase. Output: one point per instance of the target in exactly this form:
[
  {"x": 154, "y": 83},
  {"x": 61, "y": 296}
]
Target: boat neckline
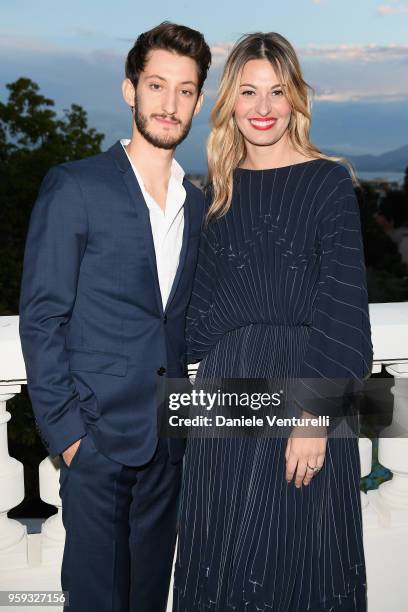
[{"x": 279, "y": 167}]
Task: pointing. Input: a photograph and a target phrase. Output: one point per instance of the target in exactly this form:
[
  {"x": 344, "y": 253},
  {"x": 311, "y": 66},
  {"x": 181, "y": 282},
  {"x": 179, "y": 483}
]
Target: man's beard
[{"x": 166, "y": 142}]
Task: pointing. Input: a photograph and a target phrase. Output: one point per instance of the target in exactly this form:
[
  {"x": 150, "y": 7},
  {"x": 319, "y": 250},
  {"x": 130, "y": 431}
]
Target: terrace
[{"x": 32, "y": 561}]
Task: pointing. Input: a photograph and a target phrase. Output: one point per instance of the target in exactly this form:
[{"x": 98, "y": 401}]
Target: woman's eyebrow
[{"x": 254, "y": 86}]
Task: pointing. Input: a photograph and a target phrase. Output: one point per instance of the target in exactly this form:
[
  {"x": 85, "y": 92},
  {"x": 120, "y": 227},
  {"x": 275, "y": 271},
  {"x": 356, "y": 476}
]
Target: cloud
[
  {"x": 361, "y": 90},
  {"x": 87, "y": 32},
  {"x": 358, "y": 70},
  {"x": 219, "y": 52},
  {"x": 18, "y": 43},
  {"x": 387, "y": 9},
  {"x": 365, "y": 53},
  {"x": 362, "y": 53},
  {"x": 355, "y": 95},
  {"x": 35, "y": 50}
]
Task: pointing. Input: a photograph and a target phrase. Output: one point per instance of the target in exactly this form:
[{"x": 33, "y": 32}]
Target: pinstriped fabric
[{"x": 280, "y": 291}]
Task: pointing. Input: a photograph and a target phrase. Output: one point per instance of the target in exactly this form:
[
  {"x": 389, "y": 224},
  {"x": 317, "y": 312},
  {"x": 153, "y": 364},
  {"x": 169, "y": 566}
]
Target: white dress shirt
[{"x": 167, "y": 226}]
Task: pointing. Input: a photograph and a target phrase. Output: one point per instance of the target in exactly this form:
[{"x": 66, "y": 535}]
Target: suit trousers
[{"x": 120, "y": 524}]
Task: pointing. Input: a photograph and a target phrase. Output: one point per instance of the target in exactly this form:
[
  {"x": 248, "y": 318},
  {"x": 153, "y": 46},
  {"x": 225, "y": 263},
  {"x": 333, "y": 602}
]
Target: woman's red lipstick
[{"x": 262, "y": 123}]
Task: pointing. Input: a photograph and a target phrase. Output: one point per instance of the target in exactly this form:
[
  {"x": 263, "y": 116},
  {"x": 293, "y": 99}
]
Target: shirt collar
[{"x": 176, "y": 172}]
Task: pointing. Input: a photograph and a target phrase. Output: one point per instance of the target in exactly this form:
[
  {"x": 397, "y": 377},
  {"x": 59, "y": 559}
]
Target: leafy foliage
[
  {"x": 32, "y": 139},
  {"x": 387, "y": 275}
]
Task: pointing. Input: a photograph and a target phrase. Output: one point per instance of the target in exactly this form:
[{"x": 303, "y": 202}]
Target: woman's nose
[{"x": 263, "y": 105}]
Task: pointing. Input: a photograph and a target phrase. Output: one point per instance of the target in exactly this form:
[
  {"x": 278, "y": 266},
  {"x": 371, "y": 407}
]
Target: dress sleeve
[{"x": 339, "y": 353}]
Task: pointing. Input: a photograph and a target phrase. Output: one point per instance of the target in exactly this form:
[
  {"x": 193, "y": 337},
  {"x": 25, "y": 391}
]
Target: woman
[{"x": 274, "y": 524}]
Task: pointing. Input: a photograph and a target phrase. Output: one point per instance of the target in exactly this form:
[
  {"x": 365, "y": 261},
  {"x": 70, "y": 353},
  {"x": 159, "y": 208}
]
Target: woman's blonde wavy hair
[{"x": 226, "y": 146}]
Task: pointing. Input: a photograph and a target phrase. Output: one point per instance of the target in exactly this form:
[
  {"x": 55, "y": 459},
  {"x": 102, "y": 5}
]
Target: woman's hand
[{"x": 306, "y": 449}]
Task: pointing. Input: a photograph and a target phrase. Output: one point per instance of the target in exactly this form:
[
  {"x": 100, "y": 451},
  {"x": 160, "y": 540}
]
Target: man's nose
[{"x": 169, "y": 102}]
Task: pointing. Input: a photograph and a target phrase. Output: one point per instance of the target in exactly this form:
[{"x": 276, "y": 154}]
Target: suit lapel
[
  {"x": 142, "y": 210},
  {"x": 137, "y": 198},
  {"x": 183, "y": 252}
]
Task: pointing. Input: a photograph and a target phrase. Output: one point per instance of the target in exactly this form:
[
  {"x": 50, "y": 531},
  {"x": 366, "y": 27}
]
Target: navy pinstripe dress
[{"x": 280, "y": 290}]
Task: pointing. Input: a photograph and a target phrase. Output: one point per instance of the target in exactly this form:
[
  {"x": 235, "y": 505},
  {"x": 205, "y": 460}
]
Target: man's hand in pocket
[{"x": 68, "y": 453}]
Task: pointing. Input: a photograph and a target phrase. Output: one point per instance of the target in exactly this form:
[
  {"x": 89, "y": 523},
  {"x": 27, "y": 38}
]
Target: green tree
[
  {"x": 387, "y": 275},
  {"x": 32, "y": 139}
]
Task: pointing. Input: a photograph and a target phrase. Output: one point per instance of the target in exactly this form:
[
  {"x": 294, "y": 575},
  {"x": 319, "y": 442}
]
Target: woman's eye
[
  {"x": 278, "y": 92},
  {"x": 248, "y": 92}
]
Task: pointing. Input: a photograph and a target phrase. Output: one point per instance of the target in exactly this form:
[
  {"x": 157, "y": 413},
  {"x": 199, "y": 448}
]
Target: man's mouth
[
  {"x": 166, "y": 120},
  {"x": 262, "y": 123}
]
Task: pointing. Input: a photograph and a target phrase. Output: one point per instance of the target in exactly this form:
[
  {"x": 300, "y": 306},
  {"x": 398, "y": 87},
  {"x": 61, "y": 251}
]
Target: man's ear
[
  {"x": 128, "y": 92},
  {"x": 199, "y": 103}
]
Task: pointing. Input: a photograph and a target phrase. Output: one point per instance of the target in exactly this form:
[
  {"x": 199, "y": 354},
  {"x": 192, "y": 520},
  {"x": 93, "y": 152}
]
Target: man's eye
[
  {"x": 186, "y": 92},
  {"x": 154, "y": 86}
]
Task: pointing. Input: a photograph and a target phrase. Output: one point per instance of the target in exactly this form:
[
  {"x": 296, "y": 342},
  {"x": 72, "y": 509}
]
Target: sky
[{"x": 354, "y": 53}]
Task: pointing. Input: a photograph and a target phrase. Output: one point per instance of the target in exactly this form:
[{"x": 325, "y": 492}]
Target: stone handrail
[{"x": 33, "y": 561}]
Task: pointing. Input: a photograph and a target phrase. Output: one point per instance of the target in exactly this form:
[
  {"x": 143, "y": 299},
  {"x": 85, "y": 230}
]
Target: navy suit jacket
[{"x": 95, "y": 338}]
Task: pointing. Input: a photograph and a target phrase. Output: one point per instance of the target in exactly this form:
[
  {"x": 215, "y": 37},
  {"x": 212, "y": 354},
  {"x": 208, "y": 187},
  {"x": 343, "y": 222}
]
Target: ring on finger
[{"x": 314, "y": 469}]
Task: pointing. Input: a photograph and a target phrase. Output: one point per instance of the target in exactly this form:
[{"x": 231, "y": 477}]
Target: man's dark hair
[{"x": 170, "y": 37}]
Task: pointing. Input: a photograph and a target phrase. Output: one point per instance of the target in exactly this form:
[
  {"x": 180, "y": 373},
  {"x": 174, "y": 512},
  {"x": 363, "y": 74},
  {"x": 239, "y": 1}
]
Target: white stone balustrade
[
  {"x": 32, "y": 562},
  {"x": 13, "y": 536}
]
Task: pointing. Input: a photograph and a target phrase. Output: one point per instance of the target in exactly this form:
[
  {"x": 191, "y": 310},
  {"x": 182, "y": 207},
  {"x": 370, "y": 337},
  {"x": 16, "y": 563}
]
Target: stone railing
[{"x": 33, "y": 561}]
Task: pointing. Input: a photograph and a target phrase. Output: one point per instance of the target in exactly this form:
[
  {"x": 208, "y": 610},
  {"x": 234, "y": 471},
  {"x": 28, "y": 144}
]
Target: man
[{"x": 109, "y": 262}]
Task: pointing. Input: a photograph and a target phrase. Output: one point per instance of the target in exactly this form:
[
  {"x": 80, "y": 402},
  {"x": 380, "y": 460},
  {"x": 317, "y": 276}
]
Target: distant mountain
[
  {"x": 192, "y": 157},
  {"x": 392, "y": 161}
]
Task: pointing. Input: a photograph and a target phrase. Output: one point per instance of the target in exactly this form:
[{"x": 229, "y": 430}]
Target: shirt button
[{"x": 161, "y": 371}]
